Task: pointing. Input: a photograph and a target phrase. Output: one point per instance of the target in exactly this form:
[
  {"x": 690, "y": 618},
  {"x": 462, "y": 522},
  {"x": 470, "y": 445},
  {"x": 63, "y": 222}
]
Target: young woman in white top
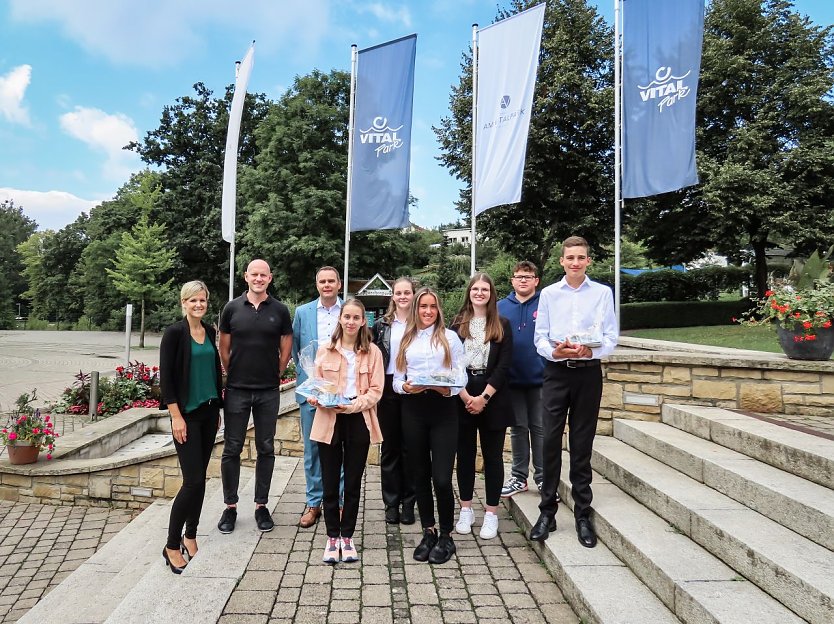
[
  {"x": 430, "y": 419},
  {"x": 397, "y": 484}
]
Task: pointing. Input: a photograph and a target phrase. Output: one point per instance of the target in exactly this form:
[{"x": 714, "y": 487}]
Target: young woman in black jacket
[
  {"x": 397, "y": 485},
  {"x": 485, "y": 409},
  {"x": 191, "y": 385}
]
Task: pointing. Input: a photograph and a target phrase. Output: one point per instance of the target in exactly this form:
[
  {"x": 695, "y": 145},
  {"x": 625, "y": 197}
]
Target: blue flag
[
  {"x": 661, "y": 63},
  {"x": 382, "y": 136}
]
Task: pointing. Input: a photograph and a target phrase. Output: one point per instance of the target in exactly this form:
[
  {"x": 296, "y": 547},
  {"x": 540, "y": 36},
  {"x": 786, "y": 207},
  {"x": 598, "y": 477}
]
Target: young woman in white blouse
[
  {"x": 430, "y": 419},
  {"x": 485, "y": 409},
  {"x": 397, "y": 484}
]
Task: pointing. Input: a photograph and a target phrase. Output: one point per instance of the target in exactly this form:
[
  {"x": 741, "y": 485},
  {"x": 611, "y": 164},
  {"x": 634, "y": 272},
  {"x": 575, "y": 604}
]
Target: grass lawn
[{"x": 761, "y": 338}]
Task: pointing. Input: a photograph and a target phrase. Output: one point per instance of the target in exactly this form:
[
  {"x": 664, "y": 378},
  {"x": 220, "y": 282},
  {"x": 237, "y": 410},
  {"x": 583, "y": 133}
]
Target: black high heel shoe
[
  {"x": 184, "y": 550},
  {"x": 174, "y": 569}
]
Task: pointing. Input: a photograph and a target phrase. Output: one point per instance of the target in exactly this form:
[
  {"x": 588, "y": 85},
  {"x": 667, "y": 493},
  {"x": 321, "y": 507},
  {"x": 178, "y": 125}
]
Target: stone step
[
  {"x": 796, "y": 571},
  {"x": 599, "y": 587},
  {"x": 82, "y": 589},
  {"x": 694, "y": 584},
  {"x": 794, "y": 502},
  {"x": 803, "y": 454},
  {"x": 202, "y": 590}
]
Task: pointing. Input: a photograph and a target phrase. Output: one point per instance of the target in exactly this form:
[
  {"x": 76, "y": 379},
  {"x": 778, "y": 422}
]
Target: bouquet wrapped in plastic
[
  {"x": 452, "y": 377},
  {"x": 324, "y": 391}
]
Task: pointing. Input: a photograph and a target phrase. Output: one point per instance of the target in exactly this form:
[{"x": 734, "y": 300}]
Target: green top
[{"x": 202, "y": 377}]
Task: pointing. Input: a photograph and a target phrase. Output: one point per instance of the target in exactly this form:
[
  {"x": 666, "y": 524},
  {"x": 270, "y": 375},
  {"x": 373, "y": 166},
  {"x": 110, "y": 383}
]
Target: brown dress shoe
[{"x": 309, "y": 517}]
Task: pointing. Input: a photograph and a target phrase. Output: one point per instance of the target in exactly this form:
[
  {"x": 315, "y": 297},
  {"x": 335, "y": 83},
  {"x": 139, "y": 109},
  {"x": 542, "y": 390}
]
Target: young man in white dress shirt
[{"x": 580, "y": 308}]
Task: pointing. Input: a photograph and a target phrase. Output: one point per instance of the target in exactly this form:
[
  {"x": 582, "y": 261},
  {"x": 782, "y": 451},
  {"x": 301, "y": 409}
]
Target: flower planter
[
  {"x": 22, "y": 453},
  {"x": 796, "y": 346}
]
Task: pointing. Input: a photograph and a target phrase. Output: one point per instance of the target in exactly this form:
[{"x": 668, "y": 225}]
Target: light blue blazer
[{"x": 305, "y": 329}]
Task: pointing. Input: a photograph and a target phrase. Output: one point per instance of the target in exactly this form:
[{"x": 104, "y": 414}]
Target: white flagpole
[
  {"x": 474, "y": 134},
  {"x": 353, "y": 63},
  {"x": 618, "y": 200}
]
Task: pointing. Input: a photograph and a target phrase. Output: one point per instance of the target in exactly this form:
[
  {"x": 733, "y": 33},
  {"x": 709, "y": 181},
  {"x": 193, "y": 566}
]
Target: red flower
[
  {"x": 810, "y": 337},
  {"x": 130, "y": 375},
  {"x": 795, "y": 315},
  {"x": 768, "y": 293},
  {"x": 807, "y": 324},
  {"x": 827, "y": 324},
  {"x": 49, "y": 455},
  {"x": 798, "y": 338}
]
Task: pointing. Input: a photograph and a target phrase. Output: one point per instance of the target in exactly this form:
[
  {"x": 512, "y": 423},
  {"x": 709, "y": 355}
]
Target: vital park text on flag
[
  {"x": 508, "y": 58},
  {"x": 661, "y": 64},
  {"x": 381, "y": 137}
]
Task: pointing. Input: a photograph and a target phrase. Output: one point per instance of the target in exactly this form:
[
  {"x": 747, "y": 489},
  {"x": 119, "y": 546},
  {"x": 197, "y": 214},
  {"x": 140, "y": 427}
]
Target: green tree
[
  {"x": 294, "y": 196},
  {"x": 15, "y": 228},
  {"x": 143, "y": 257},
  {"x": 568, "y": 171},
  {"x": 765, "y": 142},
  {"x": 188, "y": 147}
]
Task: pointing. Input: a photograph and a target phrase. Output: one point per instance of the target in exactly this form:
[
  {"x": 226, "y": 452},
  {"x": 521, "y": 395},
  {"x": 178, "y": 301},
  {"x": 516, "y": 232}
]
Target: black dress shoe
[
  {"x": 421, "y": 553},
  {"x": 541, "y": 530},
  {"x": 174, "y": 569},
  {"x": 392, "y": 515},
  {"x": 407, "y": 514},
  {"x": 585, "y": 532},
  {"x": 443, "y": 550},
  {"x": 263, "y": 519},
  {"x": 227, "y": 520}
]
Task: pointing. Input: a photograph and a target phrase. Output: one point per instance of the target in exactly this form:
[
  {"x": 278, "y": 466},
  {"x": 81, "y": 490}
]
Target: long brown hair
[
  {"x": 439, "y": 337},
  {"x": 363, "y": 338},
  {"x": 494, "y": 329},
  {"x": 388, "y": 317}
]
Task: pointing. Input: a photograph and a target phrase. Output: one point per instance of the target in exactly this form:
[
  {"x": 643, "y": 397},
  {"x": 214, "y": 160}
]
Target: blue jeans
[
  {"x": 312, "y": 463},
  {"x": 263, "y": 405},
  {"x": 527, "y": 434}
]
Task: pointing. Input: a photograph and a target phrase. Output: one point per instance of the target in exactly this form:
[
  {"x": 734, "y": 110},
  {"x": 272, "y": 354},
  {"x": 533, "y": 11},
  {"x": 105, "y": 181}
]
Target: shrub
[
  {"x": 38, "y": 324},
  {"x": 681, "y": 313},
  {"x": 135, "y": 385}
]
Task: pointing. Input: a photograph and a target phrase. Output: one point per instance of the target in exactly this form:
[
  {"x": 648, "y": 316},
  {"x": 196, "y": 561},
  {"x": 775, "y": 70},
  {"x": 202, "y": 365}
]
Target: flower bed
[{"x": 134, "y": 385}]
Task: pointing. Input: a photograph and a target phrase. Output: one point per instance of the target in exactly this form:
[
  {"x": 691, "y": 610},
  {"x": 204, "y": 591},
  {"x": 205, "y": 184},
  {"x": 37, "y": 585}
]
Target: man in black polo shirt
[{"x": 255, "y": 346}]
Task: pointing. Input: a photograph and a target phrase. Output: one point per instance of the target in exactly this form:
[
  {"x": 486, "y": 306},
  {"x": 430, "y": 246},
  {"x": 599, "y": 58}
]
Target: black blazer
[
  {"x": 175, "y": 363},
  {"x": 498, "y": 413}
]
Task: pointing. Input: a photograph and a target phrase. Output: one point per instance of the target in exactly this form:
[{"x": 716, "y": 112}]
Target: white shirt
[
  {"x": 423, "y": 358},
  {"x": 564, "y": 310},
  {"x": 350, "y": 373},
  {"x": 327, "y": 319},
  {"x": 397, "y": 331}
]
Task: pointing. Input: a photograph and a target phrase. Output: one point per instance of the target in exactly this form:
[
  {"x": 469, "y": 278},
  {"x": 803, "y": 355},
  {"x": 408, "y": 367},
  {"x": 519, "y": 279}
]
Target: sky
[{"x": 79, "y": 79}]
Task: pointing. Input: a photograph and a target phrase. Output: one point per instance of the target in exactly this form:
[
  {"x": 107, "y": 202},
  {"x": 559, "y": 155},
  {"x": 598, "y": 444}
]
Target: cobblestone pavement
[
  {"x": 499, "y": 580},
  {"x": 41, "y": 544}
]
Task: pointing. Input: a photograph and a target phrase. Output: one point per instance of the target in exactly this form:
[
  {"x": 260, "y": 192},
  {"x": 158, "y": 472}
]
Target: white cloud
[
  {"x": 52, "y": 210},
  {"x": 12, "y": 89},
  {"x": 387, "y": 14},
  {"x": 160, "y": 33},
  {"x": 105, "y": 133}
]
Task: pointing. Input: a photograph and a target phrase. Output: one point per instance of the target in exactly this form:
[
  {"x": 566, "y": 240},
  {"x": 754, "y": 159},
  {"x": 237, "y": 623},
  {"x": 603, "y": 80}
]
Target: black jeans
[
  {"x": 569, "y": 395},
  {"x": 397, "y": 484},
  {"x": 194, "y": 456},
  {"x": 263, "y": 404},
  {"x": 349, "y": 449},
  {"x": 492, "y": 450},
  {"x": 430, "y": 430}
]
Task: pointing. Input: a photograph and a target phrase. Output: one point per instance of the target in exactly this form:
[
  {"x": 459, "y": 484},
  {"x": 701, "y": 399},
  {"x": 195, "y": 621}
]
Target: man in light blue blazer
[{"x": 315, "y": 320}]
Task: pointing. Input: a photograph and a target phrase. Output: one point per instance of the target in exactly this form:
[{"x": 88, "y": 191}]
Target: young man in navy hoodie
[{"x": 525, "y": 379}]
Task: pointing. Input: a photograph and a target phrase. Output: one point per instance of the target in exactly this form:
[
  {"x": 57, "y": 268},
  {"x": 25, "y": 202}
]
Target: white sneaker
[
  {"x": 489, "y": 529},
  {"x": 513, "y": 486},
  {"x": 465, "y": 521}
]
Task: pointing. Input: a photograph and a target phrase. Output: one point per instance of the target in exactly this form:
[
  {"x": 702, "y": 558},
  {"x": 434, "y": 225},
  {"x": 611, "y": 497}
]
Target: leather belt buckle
[
  {"x": 572, "y": 364},
  {"x": 476, "y": 371}
]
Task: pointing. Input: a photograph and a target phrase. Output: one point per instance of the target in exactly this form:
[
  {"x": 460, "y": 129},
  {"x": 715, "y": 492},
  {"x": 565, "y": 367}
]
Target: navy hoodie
[{"x": 528, "y": 365}]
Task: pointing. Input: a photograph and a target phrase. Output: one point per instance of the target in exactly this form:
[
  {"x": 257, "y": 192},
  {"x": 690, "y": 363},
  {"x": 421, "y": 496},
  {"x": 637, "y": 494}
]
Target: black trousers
[
  {"x": 430, "y": 430},
  {"x": 397, "y": 484},
  {"x": 194, "y": 456},
  {"x": 569, "y": 395},
  {"x": 470, "y": 428},
  {"x": 348, "y": 449},
  {"x": 263, "y": 405}
]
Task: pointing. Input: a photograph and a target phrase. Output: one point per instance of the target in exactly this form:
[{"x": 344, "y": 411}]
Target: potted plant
[
  {"x": 802, "y": 309},
  {"x": 27, "y": 432}
]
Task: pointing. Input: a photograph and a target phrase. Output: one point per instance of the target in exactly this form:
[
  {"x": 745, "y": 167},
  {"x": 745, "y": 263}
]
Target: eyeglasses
[{"x": 523, "y": 278}]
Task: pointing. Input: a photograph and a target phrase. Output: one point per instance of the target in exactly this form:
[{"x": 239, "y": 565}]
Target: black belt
[
  {"x": 576, "y": 363},
  {"x": 476, "y": 371}
]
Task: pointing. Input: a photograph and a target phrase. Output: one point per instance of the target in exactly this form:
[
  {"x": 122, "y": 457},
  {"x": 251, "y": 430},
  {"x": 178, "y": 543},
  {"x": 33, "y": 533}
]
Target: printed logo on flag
[
  {"x": 504, "y": 117},
  {"x": 666, "y": 87},
  {"x": 505, "y": 101},
  {"x": 380, "y": 133}
]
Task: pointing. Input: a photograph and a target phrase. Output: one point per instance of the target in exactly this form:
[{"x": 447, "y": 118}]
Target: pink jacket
[{"x": 370, "y": 379}]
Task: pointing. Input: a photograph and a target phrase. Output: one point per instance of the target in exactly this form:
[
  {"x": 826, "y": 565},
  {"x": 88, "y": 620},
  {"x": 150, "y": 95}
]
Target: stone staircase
[
  {"x": 708, "y": 516},
  {"x": 127, "y": 582}
]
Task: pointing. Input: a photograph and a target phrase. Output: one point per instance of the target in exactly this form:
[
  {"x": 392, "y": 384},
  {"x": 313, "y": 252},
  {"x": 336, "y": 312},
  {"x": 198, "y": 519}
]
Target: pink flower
[
  {"x": 36, "y": 430},
  {"x": 12, "y": 436},
  {"x": 49, "y": 455}
]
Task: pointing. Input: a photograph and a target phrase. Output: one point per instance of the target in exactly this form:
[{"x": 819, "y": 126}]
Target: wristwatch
[{"x": 487, "y": 396}]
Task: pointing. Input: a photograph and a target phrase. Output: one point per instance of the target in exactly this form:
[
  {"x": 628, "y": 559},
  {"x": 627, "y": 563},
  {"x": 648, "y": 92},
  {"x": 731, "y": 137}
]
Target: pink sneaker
[
  {"x": 349, "y": 553},
  {"x": 331, "y": 550}
]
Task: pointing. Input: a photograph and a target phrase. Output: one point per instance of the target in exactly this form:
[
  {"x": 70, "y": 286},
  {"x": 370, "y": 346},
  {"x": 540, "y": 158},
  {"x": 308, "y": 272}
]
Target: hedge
[{"x": 681, "y": 313}]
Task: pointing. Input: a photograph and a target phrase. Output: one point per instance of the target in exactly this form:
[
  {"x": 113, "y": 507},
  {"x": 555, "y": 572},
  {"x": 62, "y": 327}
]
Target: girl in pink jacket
[{"x": 354, "y": 365}]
